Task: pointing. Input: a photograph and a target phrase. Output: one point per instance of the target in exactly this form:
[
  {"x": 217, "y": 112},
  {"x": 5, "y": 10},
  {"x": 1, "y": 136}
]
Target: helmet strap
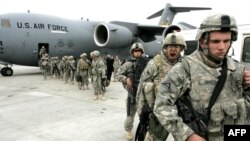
[{"x": 206, "y": 50}]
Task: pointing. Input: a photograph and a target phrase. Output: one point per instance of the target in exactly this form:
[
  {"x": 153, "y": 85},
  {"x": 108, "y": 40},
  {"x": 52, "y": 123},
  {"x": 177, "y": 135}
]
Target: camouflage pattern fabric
[{"x": 229, "y": 108}]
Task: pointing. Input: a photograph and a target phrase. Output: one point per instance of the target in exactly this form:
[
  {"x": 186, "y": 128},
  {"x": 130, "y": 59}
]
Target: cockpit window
[
  {"x": 246, "y": 50},
  {"x": 5, "y": 23}
]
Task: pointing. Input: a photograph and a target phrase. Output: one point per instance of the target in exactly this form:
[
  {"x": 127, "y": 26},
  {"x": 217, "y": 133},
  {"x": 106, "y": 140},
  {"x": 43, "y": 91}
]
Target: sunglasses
[{"x": 137, "y": 51}]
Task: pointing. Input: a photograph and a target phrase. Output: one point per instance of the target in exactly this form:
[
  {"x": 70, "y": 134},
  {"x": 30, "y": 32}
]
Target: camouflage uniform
[
  {"x": 72, "y": 66},
  {"x": 116, "y": 65},
  {"x": 62, "y": 67},
  {"x": 83, "y": 66},
  {"x": 42, "y": 52},
  {"x": 98, "y": 73},
  {"x": 55, "y": 67},
  {"x": 135, "y": 68},
  {"x": 156, "y": 70},
  {"x": 198, "y": 73},
  {"x": 45, "y": 66},
  {"x": 66, "y": 69}
]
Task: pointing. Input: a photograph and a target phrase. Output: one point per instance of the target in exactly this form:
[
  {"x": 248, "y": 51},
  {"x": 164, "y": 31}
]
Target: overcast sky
[{"x": 126, "y": 10}]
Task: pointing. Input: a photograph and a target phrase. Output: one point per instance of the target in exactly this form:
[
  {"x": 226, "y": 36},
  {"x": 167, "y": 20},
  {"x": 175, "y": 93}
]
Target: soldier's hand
[
  {"x": 129, "y": 83},
  {"x": 246, "y": 78},
  {"x": 195, "y": 137}
]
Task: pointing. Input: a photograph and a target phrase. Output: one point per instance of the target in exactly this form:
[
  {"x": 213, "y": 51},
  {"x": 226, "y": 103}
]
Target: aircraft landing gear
[{"x": 7, "y": 71}]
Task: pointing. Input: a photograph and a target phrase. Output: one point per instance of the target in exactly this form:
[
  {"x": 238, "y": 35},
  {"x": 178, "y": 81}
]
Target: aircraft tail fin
[{"x": 168, "y": 13}]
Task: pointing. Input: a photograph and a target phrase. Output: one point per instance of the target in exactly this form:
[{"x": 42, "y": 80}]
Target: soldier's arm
[
  {"x": 172, "y": 87},
  {"x": 78, "y": 66},
  {"x": 147, "y": 76},
  {"x": 123, "y": 71},
  {"x": 103, "y": 69}
]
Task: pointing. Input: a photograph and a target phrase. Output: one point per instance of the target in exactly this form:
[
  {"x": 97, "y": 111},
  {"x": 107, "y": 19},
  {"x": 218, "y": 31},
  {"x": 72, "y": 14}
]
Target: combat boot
[
  {"x": 96, "y": 97},
  {"x": 83, "y": 87},
  {"x": 149, "y": 137},
  {"x": 103, "y": 98},
  {"x": 129, "y": 135}
]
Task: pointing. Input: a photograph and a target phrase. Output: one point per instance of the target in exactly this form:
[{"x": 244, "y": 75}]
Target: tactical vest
[
  {"x": 138, "y": 67},
  {"x": 97, "y": 68},
  {"x": 116, "y": 64},
  {"x": 163, "y": 67},
  {"x": 230, "y": 107},
  {"x": 83, "y": 65}
]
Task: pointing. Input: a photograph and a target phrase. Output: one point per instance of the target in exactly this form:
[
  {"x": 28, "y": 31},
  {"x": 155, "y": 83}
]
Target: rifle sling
[{"x": 220, "y": 84}]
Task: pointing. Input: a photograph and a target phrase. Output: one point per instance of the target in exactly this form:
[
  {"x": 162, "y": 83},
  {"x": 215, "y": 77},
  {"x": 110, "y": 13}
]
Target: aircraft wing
[
  {"x": 107, "y": 33},
  {"x": 146, "y": 32},
  {"x": 155, "y": 30}
]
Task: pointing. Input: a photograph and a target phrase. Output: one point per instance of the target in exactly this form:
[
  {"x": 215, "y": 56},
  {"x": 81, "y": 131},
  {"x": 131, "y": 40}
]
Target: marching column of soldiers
[{"x": 81, "y": 71}]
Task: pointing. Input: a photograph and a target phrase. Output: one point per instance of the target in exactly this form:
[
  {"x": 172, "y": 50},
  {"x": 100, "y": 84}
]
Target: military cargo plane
[{"x": 22, "y": 35}]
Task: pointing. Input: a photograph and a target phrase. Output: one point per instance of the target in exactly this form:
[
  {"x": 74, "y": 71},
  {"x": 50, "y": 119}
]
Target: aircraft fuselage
[{"x": 22, "y": 35}]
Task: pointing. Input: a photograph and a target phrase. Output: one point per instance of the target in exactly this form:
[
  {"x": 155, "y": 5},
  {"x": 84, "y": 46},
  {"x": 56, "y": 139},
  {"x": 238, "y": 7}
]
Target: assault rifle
[
  {"x": 196, "y": 121},
  {"x": 131, "y": 95},
  {"x": 131, "y": 91},
  {"x": 142, "y": 128}
]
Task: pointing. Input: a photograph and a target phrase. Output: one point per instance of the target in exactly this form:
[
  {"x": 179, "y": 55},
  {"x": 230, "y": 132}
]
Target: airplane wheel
[
  {"x": 7, "y": 71},
  {"x": 3, "y": 71}
]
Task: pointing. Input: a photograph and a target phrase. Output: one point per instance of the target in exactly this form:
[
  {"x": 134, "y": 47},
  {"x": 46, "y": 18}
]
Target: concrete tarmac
[{"x": 34, "y": 109}]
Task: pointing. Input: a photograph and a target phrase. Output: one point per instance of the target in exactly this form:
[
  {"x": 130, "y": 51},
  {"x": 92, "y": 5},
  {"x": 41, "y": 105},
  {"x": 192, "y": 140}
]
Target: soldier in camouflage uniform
[
  {"x": 129, "y": 74},
  {"x": 157, "y": 69},
  {"x": 83, "y": 66},
  {"x": 98, "y": 74},
  {"x": 61, "y": 67},
  {"x": 55, "y": 71},
  {"x": 116, "y": 65},
  {"x": 42, "y": 52},
  {"x": 72, "y": 66},
  {"x": 45, "y": 65},
  {"x": 66, "y": 69},
  {"x": 199, "y": 73}
]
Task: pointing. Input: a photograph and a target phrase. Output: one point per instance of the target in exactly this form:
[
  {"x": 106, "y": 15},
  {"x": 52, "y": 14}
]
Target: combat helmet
[
  {"x": 71, "y": 57},
  {"x": 96, "y": 53},
  {"x": 91, "y": 54},
  {"x": 174, "y": 39},
  {"x": 84, "y": 55},
  {"x": 218, "y": 22},
  {"x": 81, "y": 56},
  {"x": 136, "y": 46}
]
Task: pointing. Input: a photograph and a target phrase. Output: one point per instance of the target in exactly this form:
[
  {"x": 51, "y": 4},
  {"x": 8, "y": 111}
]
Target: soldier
[
  {"x": 110, "y": 68},
  {"x": 129, "y": 74},
  {"x": 45, "y": 66},
  {"x": 61, "y": 67},
  {"x": 42, "y": 52},
  {"x": 66, "y": 69},
  {"x": 72, "y": 66},
  {"x": 199, "y": 76},
  {"x": 98, "y": 74},
  {"x": 116, "y": 66},
  {"x": 54, "y": 67},
  {"x": 155, "y": 71},
  {"x": 83, "y": 66}
]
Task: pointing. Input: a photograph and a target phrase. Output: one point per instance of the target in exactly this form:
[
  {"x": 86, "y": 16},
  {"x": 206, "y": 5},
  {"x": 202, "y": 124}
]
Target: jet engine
[{"x": 112, "y": 36}]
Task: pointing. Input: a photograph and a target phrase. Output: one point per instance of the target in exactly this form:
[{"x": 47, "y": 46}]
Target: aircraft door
[{"x": 42, "y": 49}]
